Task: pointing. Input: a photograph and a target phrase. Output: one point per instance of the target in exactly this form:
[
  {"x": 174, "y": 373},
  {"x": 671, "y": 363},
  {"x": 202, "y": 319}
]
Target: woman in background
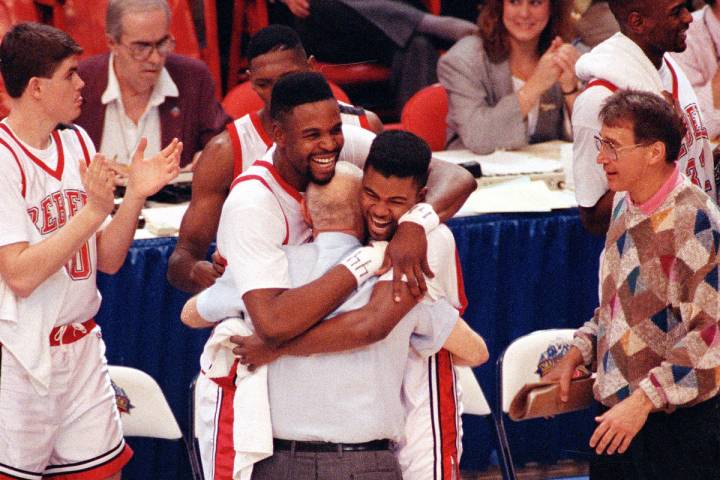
[{"x": 513, "y": 83}]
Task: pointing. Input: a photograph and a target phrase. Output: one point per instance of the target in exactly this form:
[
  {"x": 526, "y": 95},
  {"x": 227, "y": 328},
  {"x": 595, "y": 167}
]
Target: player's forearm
[
  {"x": 355, "y": 328},
  {"x": 114, "y": 240},
  {"x": 288, "y": 313},
  {"x": 449, "y": 186},
  {"x": 467, "y": 347},
  {"x": 596, "y": 219},
  {"x": 24, "y": 267},
  {"x": 180, "y": 267}
]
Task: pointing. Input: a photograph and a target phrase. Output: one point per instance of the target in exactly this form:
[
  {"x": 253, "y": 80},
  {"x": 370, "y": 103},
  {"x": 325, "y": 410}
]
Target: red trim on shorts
[
  {"x": 99, "y": 472},
  {"x": 57, "y": 173},
  {"x": 83, "y": 146},
  {"x": 71, "y": 334},
  {"x": 262, "y": 180},
  {"x": 227, "y": 382},
  {"x": 364, "y": 122},
  {"x": 224, "y": 449},
  {"x": 292, "y": 191},
  {"x": 460, "y": 284},
  {"x": 8, "y": 477},
  {"x": 236, "y": 149},
  {"x": 22, "y": 172},
  {"x": 257, "y": 123},
  {"x": 602, "y": 83},
  {"x": 447, "y": 411},
  {"x": 675, "y": 92}
]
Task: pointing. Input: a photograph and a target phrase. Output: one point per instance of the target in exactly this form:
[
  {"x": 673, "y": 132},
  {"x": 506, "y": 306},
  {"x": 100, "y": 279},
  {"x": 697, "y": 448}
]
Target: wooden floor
[{"x": 534, "y": 472}]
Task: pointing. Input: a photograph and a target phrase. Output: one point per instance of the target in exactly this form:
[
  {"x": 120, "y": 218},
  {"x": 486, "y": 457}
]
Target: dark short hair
[
  {"x": 622, "y": 8},
  {"x": 298, "y": 89},
  {"x": 33, "y": 50},
  {"x": 494, "y": 34},
  {"x": 653, "y": 119},
  {"x": 274, "y": 38},
  {"x": 402, "y": 154}
]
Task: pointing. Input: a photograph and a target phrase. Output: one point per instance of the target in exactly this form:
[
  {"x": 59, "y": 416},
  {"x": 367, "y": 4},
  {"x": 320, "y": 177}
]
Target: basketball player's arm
[
  {"x": 345, "y": 331},
  {"x": 596, "y": 219},
  {"x": 187, "y": 269},
  {"x": 467, "y": 347},
  {"x": 147, "y": 177},
  {"x": 24, "y": 266},
  {"x": 449, "y": 186},
  {"x": 279, "y": 315}
]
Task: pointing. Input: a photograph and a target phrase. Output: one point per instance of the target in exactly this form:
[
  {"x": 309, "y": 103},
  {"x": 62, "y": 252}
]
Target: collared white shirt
[{"x": 120, "y": 134}]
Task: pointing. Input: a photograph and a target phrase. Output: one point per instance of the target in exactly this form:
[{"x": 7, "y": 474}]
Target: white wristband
[
  {"x": 424, "y": 215},
  {"x": 364, "y": 262}
]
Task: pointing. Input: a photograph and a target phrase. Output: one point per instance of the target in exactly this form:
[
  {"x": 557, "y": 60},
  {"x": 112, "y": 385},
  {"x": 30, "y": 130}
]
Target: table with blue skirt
[{"x": 522, "y": 272}]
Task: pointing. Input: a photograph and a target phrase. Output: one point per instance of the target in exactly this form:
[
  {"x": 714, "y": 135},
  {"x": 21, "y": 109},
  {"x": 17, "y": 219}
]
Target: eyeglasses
[
  {"x": 611, "y": 151},
  {"x": 141, "y": 51}
]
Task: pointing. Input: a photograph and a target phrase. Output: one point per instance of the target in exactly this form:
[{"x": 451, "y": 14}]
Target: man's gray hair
[
  {"x": 337, "y": 203},
  {"x": 117, "y": 8}
]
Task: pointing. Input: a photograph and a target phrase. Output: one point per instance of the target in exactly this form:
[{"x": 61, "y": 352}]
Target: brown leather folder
[{"x": 542, "y": 399}]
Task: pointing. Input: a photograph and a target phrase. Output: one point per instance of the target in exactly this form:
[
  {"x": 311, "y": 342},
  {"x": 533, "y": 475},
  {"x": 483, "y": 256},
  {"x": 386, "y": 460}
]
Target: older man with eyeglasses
[
  {"x": 141, "y": 89},
  {"x": 655, "y": 338}
]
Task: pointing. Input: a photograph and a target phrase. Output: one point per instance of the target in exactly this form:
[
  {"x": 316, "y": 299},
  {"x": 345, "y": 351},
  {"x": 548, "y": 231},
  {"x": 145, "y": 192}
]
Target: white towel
[
  {"x": 622, "y": 62},
  {"x": 26, "y": 323},
  {"x": 252, "y": 427}
]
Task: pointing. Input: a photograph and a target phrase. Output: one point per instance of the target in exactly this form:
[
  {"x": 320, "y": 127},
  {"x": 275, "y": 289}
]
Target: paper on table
[
  {"x": 537, "y": 158},
  {"x": 164, "y": 221},
  {"x": 519, "y": 195}
]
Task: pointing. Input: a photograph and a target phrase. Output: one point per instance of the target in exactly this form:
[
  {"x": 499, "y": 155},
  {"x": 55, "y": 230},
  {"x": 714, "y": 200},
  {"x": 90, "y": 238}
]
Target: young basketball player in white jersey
[
  {"x": 58, "y": 416},
  {"x": 273, "y": 52}
]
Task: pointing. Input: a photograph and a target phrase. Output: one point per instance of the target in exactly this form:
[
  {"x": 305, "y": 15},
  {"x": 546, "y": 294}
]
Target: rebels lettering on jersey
[{"x": 56, "y": 209}]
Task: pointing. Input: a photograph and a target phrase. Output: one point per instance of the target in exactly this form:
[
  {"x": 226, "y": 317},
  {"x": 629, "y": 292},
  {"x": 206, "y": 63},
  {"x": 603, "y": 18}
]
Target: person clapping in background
[{"x": 516, "y": 77}]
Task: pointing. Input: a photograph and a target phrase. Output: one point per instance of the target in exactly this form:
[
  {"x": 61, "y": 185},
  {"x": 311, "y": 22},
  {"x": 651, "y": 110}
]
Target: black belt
[{"x": 374, "y": 445}]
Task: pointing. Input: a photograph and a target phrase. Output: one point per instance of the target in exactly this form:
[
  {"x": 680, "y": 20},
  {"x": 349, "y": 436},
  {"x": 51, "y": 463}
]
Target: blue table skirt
[{"x": 523, "y": 272}]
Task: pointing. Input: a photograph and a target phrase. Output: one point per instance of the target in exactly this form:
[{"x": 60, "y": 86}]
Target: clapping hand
[
  {"x": 99, "y": 183},
  {"x": 565, "y": 57},
  {"x": 149, "y": 175}
]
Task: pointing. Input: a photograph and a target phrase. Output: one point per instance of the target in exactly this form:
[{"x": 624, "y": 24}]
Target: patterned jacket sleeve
[
  {"x": 691, "y": 370},
  {"x": 586, "y": 339}
]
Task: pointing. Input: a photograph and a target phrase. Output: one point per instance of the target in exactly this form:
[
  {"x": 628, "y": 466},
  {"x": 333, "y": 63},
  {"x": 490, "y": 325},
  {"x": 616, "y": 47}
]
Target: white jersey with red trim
[
  {"x": 46, "y": 185},
  {"x": 261, "y": 214},
  {"x": 250, "y": 140},
  {"x": 432, "y": 445},
  {"x": 695, "y": 157}
]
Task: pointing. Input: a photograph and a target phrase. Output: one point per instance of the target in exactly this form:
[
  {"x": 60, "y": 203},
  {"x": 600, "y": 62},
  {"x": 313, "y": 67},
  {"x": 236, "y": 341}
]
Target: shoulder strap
[
  {"x": 598, "y": 82},
  {"x": 244, "y": 178},
  {"x": 17, "y": 160},
  {"x": 236, "y": 149}
]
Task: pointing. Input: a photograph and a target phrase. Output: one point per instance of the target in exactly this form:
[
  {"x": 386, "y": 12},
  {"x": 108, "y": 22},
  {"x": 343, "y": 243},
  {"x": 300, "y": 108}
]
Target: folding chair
[
  {"x": 473, "y": 398},
  {"x": 517, "y": 366},
  {"x": 144, "y": 411},
  {"x": 425, "y": 115}
]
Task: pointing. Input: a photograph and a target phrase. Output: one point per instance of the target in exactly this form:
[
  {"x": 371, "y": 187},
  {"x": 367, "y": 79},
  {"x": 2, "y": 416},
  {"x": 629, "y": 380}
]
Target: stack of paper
[
  {"x": 164, "y": 221},
  {"x": 536, "y": 158},
  {"x": 519, "y": 195}
]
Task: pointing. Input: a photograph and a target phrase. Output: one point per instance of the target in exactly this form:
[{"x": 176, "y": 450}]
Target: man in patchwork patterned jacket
[{"x": 654, "y": 339}]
